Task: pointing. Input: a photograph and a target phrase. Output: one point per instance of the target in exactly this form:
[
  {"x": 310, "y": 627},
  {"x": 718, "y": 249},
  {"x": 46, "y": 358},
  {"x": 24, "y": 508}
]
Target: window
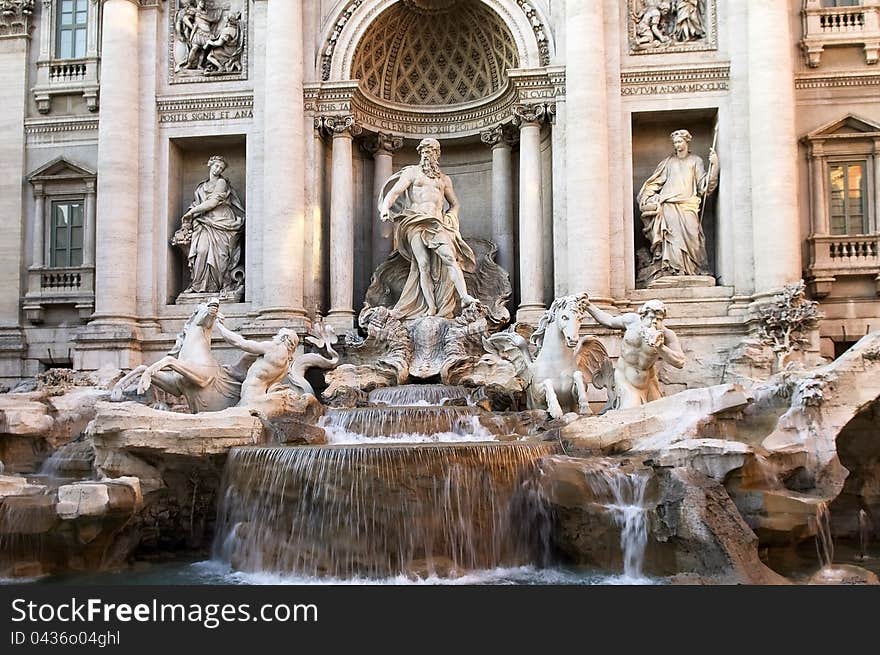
[
  {"x": 848, "y": 212},
  {"x": 73, "y": 16},
  {"x": 67, "y": 233},
  {"x": 841, "y": 3}
]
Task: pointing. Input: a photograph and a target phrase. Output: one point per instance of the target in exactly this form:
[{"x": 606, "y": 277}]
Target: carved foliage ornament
[
  {"x": 208, "y": 40},
  {"x": 15, "y": 17},
  {"x": 659, "y": 26}
]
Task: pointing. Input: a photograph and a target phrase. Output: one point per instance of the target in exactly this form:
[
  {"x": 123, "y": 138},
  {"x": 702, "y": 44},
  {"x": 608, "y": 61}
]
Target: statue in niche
[
  {"x": 213, "y": 39},
  {"x": 428, "y": 238},
  {"x": 671, "y": 202},
  {"x": 667, "y": 24},
  {"x": 212, "y": 231},
  {"x": 634, "y": 380}
]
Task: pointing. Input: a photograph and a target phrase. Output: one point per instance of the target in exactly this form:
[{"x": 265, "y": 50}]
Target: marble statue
[
  {"x": 277, "y": 361},
  {"x": 190, "y": 369},
  {"x": 634, "y": 380},
  {"x": 564, "y": 364},
  {"x": 670, "y": 201},
  {"x": 212, "y": 229},
  {"x": 428, "y": 237}
]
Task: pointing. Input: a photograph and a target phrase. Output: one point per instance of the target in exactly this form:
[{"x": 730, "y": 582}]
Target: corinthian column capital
[{"x": 535, "y": 113}]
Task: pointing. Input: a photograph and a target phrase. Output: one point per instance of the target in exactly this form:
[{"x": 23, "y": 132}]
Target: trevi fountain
[
  {"x": 439, "y": 292},
  {"x": 441, "y": 442}
]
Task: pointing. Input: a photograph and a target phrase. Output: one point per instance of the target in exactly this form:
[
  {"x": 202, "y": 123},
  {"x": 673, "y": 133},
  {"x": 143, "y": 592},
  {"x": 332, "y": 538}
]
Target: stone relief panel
[
  {"x": 660, "y": 26},
  {"x": 208, "y": 40}
]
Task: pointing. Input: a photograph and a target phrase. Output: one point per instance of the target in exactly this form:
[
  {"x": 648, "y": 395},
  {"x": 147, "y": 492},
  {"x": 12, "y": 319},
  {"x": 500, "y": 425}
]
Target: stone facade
[{"x": 551, "y": 115}]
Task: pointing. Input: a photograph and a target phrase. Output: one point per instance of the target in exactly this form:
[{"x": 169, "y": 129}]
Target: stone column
[
  {"x": 775, "y": 223},
  {"x": 342, "y": 129},
  {"x": 531, "y": 237},
  {"x": 876, "y": 160},
  {"x": 38, "y": 253},
  {"x": 587, "y": 150},
  {"x": 382, "y": 146},
  {"x": 500, "y": 139},
  {"x": 89, "y": 225},
  {"x": 283, "y": 161},
  {"x": 817, "y": 181},
  {"x": 118, "y": 166},
  {"x": 15, "y": 40}
]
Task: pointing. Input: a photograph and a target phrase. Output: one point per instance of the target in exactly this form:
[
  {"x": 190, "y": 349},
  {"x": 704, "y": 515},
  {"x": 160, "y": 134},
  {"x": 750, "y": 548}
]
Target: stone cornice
[
  {"x": 662, "y": 81},
  {"x": 526, "y": 86},
  {"x": 836, "y": 80},
  {"x": 56, "y": 125}
]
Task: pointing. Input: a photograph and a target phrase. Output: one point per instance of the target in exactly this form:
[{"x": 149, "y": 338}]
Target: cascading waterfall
[
  {"x": 824, "y": 540},
  {"x": 380, "y": 511},
  {"x": 625, "y": 492},
  {"x": 864, "y": 534}
]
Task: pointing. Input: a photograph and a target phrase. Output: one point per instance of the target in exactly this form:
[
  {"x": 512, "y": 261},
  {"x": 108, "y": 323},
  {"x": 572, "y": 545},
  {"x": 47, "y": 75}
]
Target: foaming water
[
  {"x": 348, "y": 512},
  {"x": 405, "y": 425},
  {"x": 414, "y": 395}
]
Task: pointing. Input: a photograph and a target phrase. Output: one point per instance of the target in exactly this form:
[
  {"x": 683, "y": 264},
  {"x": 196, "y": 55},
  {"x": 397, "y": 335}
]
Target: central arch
[{"x": 522, "y": 19}]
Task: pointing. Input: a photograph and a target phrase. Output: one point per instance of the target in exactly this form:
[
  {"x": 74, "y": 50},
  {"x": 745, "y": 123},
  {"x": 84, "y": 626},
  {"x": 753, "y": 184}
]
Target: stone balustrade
[
  {"x": 834, "y": 255},
  {"x": 840, "y": 26},
  {"x": 69, "y": 285}
]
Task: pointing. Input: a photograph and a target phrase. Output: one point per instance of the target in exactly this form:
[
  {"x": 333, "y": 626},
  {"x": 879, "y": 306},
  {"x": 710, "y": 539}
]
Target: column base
[
  {"x": 271, "y": 319},
  {"x": 108, "y": 340},
  {"x": 13, "y": 347},
  {"x": 340, "y": 320},
  {"x": 530, "y": 313}
]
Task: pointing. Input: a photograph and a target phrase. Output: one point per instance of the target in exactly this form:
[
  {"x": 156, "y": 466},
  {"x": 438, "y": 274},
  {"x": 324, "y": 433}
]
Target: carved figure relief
[
  {"x": 671, "y": 25},
  {"x": 211, "y": 235},
  {"x": 208, "y": 40}
]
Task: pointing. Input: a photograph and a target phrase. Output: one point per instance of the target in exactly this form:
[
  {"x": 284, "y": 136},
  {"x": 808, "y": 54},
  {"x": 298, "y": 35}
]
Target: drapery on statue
[
  {"x": 212, "y": 227},
  {"x": 670, "y": 203},
  {"x": 634, "y": 380},
  {"x": 428, "y": 238}
]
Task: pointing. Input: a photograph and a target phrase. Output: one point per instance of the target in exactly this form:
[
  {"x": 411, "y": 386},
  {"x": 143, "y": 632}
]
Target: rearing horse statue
[
  {"x": 564, "y": 364},
  {"x": 190, "y": 370}
]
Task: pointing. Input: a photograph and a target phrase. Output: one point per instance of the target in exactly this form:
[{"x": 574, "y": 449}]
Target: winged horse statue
[
  {"x": 190, "y": 369},
  {"x": 564, "y": 363}
]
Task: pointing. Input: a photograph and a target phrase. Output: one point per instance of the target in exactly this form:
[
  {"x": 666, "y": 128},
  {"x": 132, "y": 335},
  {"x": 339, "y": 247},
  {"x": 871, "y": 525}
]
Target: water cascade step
[
  {"x": 381, "y": 511},
  {"x": 410, "y": 395},
  {"x": 408, "y": 424}
]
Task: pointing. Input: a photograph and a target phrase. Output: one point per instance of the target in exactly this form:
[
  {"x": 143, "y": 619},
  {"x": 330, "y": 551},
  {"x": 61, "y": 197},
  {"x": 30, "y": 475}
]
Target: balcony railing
[
  {"x": 71, "y": 286},
  {"x": 63, "y": 72},
  {"x": 832, "y": 256},
  {"x": 66, "y": 77},
  {"x": 840, "y": 26}
]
